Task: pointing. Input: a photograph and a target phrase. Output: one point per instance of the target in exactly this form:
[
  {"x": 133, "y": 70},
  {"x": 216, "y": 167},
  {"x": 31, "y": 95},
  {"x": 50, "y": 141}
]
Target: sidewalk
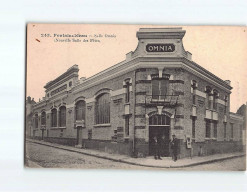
[{"x": 167, "y": 162}]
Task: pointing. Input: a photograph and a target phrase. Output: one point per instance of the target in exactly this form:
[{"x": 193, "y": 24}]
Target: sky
[{"x": 220, "y": 49}]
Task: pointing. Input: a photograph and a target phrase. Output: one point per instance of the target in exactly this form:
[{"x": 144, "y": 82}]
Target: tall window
[
  {"x": 231, "y": 131},
  {"x": 208, "y": 128},
  {"x": 127, "y": 125},
  {"x": 226, "y": 99},
  {"x": 159, "y": 88},
  {"x": 102, "y": 109},
  {"x": 194, "y": 99},
  {"x": 62, "y": 116},
  {"x": 36, "y": 121},
  {"x": 43, "y": 118},
  {"x": 127, "y": 97},
  {"x": 208, "y": 94},
  {"x": 215, "y": 129},
  {"x": 54, "y": 117},
  {"x": 224, "y": 130},
  {"x": 194, "y": 87},
  {"x": 80, "y": 110},
  {"x": 193, "y": 127},
  {"x": 215, "y": 97}
]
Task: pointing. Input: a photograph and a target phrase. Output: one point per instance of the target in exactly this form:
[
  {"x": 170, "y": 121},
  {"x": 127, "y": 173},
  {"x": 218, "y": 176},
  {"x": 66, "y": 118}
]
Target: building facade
[{"x": 156, "y": 91}]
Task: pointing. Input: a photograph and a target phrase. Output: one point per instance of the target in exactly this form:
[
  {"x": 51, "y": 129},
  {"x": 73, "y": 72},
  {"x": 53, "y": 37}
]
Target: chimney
[{"x": 228, "y": 82}]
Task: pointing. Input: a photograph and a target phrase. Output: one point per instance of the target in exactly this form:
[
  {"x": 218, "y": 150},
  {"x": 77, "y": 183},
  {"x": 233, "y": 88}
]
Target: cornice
[
  {"x": 140, "y": 62},
  {"x": 71, "y": 71}
]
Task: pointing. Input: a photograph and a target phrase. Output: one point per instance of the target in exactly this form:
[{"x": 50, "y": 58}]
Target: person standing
[
  {"x": 163, "y": 146},
  {"x": 174, "y": 148},
  {"x": 156, "y": 148}
]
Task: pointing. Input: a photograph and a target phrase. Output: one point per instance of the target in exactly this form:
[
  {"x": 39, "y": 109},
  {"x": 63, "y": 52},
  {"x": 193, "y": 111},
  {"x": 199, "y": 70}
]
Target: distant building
[
  {"x": 157, "y": 90},
  {"x": 28, "y": 124},
  {"x": 242, "y": 111}
]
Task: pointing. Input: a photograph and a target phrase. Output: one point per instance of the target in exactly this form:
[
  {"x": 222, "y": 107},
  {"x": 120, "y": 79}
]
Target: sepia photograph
[{"x": 137, "y": 97}]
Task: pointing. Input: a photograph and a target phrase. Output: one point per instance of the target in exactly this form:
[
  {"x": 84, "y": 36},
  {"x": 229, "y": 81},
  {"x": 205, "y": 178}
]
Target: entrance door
[
  {"x": 79, "y": 136},
  {"x": 42, "y": 134},
  {"x": 159, "y": 126}
]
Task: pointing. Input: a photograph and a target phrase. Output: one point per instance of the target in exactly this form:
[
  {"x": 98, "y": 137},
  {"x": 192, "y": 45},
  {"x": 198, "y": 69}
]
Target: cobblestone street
[{"x": 49, "y": 157}]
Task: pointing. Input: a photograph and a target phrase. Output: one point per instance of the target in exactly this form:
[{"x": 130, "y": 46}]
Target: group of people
[{"x": 159, "y": 146}]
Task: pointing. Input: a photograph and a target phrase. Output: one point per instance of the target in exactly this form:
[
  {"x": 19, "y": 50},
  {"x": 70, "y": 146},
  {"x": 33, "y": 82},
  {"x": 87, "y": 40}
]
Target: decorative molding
[
  {"x": 118, "y": 101},
  {"x": 118, "y": 92},
  {"x": 179, "y": 116},
  {"x": 90, "y": 100},
  {"x": 141, "y": 70},
  {"x": 178, "y": 127},
  {"x": 144, "y": 62},
  {"x": 176, "y": 81},
  {"x": 178, "y": 92},
  {"x": 70, "y": 105},
  {"x": 141, "y": 93},
  {"x": 140, "y": 116},
  {"x": 140, "y": 127},
  {"x": 221, "y": 102},
  {"x": 160, "y": 108},
  {"x": 89, "y": 107},
  {"x": 143, "y": 81},
  {"x": 200, "y": 93}
]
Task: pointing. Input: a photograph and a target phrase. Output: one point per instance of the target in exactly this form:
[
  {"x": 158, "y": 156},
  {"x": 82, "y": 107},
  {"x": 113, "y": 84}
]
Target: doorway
[
  {"x": 42, "y": 136},
  {"x": 159, "y": 126},
  {"x": 79, "y": 136}
]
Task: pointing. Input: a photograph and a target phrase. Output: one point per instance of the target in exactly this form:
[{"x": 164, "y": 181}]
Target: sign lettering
[{"x": 160, "y": 47}]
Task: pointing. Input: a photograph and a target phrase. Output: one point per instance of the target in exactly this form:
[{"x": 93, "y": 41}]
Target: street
[{"x": 49, "y": 157}]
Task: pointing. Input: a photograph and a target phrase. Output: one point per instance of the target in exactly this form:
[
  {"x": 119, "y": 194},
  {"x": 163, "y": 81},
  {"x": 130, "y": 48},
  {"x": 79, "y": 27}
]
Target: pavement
[{"x": 149, "y": 161}]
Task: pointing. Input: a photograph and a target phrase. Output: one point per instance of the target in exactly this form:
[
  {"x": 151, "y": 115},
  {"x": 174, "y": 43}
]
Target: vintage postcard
[{"x": 136, "y": 97}]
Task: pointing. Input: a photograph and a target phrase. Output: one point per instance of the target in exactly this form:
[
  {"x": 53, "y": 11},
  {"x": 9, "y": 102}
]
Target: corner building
[{"x": 157, "y": 90}]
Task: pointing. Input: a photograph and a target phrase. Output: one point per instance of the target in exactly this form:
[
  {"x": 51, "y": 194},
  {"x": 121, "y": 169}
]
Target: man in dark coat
[
  {"x": 156, "y": 144},
  {"x": 163, "y": 143},
  {"x": 174, "y": 148}
]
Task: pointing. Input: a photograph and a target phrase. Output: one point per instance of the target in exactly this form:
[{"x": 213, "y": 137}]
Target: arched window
[
  {"x": 102, "y": 109},
  {"x": 36, "y": 121},
  {"x": 43, "y": 118},
  {"x": 159, "y": 120},
  {"x": 80, "y": 110},
  {"x": 62, "y": 116},
  {"x": 54, "y": 117}
]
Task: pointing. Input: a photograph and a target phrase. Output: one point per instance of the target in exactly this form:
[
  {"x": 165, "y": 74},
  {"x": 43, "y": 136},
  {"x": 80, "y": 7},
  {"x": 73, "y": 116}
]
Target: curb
[{"x": 138, "y": 164}]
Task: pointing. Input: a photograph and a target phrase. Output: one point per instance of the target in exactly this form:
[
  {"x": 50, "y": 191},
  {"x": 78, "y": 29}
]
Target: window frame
[
  {"x": 43, "y": 118},
  {"x": 81, "y": 108},
  {"x": 215, "y": 128},
  {"x": 62, "y": 116},
  {"x": 163, "y": 83},
  {"x": 193, "y": 127},
  {"x": 54, "y": 117},
  {"x": 102, "y": 109},
  {"x": 127, "y": 125},
  {"x": 208, "y": 130},
  {"x": 127, "y": 95}
]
